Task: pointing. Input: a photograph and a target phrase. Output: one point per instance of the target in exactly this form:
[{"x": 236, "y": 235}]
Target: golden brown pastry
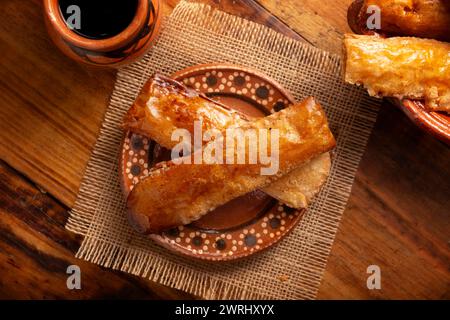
[
  {"x": 174, "y": 194},
  {"x": 400, "y": 67},
  {"x": 419, "y": 18},
  {"x": 165, "y": 105},
  {"x": 301, "y": 185}
]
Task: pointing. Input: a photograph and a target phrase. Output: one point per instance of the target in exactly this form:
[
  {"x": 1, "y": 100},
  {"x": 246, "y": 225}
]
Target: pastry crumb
[{"x": 283, "y": 278}]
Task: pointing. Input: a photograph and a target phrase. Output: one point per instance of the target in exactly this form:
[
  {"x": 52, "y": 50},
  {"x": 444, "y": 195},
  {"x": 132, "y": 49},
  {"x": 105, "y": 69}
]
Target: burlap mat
[{"x": 195, "y": 34}]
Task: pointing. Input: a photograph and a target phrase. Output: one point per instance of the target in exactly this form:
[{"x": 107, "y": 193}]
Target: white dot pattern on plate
[{"x": 208, "y": 244}]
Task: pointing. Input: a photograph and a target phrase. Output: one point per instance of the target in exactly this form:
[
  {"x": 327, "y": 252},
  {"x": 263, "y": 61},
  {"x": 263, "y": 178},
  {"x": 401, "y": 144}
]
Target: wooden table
[{"x": 51, "y": 110}]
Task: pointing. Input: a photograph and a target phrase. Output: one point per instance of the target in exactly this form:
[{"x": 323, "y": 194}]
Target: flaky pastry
[
  {"x": 165, "y": 105},
  {"x": 176, "y": 194},
  {"x": 400, "y": 67}
]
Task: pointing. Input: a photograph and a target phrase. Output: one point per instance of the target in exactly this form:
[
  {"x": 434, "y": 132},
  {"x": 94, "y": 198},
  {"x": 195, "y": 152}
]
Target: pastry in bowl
[
  {"x": 418, "y": 18},
  {"x": 165, "y": 105},
  {"x": 180, "y": 191}
]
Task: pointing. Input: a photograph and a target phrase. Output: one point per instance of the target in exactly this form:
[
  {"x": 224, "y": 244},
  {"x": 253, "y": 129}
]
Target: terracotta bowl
[
  {"x": 435, "y": 123},
  {"x": 245, "y": 225},
  {"x": 123, "y": 48}
]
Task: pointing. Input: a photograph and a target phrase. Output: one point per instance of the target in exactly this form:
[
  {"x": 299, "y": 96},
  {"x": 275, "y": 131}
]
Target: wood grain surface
[{"x": 50, "y": 113}]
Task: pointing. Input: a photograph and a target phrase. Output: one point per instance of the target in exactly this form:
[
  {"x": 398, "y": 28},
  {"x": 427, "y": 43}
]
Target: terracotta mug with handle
[{"x": 120, "y": 49}]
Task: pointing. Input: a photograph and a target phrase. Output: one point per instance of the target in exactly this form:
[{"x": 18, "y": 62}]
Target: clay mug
[{"x": 123, "y": 48}]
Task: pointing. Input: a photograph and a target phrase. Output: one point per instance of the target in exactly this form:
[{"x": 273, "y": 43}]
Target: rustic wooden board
[
  {"x": 36, "y": 249},
  {"x": 51, "y": 111},
  {"x": 51, "y": 107},
  {"x": 320, "y": 23},
  {"x": 397, "y": 218}
]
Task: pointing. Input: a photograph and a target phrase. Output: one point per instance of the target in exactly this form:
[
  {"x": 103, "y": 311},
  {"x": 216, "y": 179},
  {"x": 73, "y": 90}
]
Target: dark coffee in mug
[{"x": 99, "y": 19}]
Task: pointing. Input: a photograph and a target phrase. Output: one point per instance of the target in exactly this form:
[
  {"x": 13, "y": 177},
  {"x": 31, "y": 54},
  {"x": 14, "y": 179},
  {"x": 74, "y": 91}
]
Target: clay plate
[
  {"x": 245, "y": 225},
  {"x": 435, "y": 123}
]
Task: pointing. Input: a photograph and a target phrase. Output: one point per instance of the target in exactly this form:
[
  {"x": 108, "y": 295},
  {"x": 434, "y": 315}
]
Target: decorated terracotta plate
[
  {"x": 435, "y": 123},
  {"x": 245, "y": 225}
]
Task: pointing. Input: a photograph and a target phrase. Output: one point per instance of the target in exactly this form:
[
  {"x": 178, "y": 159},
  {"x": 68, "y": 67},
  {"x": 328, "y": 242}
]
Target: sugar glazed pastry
[
  {"x": 165, "y": 105},
  {"x": 175, "y": 194},
  {"x": 419, "y": 18},
  {"x": 400, "y": 67}
]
